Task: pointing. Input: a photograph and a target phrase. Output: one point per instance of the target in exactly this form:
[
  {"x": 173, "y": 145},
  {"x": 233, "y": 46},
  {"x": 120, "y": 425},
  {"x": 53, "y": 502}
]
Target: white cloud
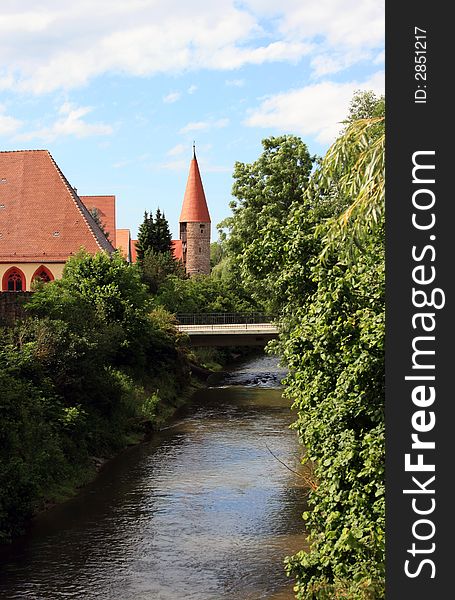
[
  {"x": 341, "y": 23},
  {"x": 171, "y": 97},
  {"x": 121, "y": 164},
  {"x": 380, "y": 58},
  {"x": 343, "y": 32},
  {"x": 70, "y": 122},
  {"x": 65, "y": 45},
  {"x": 329, "y": 63},
  {"x": 314, "y": 110},
  {"x": 204, "y": 125},
  {"x": 192, "y": 89},
  {"x": 174, "y": 165},
  {"x": 8, "y": 125},
  {"x": 176, "y": 150},
  {"x": 235, "y": 82}
]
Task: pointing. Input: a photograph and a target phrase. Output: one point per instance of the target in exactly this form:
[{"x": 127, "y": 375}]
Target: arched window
[
  {"x": 13, "y": 280},
  {"x": 43, "y": 273}
]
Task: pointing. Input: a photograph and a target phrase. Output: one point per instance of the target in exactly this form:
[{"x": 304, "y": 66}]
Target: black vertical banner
[{"x": 420, "y": 259}]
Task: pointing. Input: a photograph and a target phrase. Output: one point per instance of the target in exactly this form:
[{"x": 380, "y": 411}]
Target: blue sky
[{"x": 118, "y": 91}]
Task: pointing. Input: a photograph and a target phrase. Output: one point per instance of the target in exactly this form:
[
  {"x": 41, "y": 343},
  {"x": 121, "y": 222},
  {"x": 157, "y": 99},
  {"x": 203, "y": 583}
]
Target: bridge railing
[{"x": 223, "y": 318}]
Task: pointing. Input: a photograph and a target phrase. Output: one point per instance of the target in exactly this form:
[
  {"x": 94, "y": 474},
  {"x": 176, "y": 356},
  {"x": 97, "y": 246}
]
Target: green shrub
[{"x": 77, "y": 379}]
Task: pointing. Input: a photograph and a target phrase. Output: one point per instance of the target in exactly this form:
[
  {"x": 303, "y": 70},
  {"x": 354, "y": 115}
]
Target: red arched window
[
  {"x": 43, "y": 273},
  {"x": 13, "y": 280}
]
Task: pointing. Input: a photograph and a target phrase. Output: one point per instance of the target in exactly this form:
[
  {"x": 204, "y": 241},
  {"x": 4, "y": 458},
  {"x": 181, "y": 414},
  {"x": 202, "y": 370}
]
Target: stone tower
[{"x": 195, "y": 224}]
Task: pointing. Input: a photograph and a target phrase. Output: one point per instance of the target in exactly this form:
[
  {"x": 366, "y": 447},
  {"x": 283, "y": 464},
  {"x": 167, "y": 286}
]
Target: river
[{"x": 202, "y": 511}]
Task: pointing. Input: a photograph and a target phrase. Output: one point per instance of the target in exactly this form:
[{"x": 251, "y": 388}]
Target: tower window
[{"x": 200, "y": 249}]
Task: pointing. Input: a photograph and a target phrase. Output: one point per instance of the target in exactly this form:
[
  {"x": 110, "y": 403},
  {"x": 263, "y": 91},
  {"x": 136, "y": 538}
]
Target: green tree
[
  {"x": 365, "y": 104},
  {"x": 216, "y": 253},
  {"x": 154, "y": 235},
  {"x": 156, "y": 267},
  {"x": 265, "y": 192},
  {"x": 356, "y": 163},
  {"x": 333, "y": 342},
  {"x": 163, "y": 238},
  {"x": 100, "y": 310},
  {"x": 102, "y": 282},
  {"x": 78, "y": 378},
  {"x": 145, "y": 236},
  {"x": 204, "y": 294}
]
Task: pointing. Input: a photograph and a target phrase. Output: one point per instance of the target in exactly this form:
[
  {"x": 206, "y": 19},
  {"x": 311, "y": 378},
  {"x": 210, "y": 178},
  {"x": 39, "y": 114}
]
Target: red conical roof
[{"x": 194, "y": 209}]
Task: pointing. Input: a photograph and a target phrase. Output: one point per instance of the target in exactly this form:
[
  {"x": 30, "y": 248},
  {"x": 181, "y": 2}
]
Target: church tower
[{"x": 195, "y": 224}]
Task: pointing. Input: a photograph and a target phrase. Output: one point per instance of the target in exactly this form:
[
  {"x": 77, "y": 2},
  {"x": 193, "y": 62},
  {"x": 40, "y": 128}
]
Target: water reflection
[{"x": 202, "y": 511}]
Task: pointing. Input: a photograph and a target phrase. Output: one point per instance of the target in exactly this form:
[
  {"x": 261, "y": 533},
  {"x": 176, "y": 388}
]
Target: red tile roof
[
  {"x": 177, "y": 249},
  {"x": 194, "y": 209},
  {"x": 124, "y": 243},
  {"x": 105, "y": 206},
  {"x": 41, "y": 216}
]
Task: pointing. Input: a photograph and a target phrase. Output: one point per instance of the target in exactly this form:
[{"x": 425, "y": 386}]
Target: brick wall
[{"x": 12, "y": 306}]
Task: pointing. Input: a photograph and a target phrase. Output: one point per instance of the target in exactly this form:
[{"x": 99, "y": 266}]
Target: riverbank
[
  {"x": 199, "y": 510},
  {"x": 68, "y": 406},
  {"x": 150, "y": 407},
  {"x": 211, "y": 362},
  {"x": 136, "y": 431}
]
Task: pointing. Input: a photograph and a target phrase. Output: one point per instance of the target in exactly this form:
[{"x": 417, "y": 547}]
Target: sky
[{"x": 117, "y": 91}]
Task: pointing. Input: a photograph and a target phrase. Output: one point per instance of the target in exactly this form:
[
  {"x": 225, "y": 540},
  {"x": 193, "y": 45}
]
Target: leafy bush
[
  {"x": 336, "y": 357},
  {"x": 204, "y": 294},
  {"x": 333, "y": 342},
  {"x": 78, "y": 379}
]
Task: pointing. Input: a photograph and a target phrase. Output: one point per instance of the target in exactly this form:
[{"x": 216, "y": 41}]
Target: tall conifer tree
[
  {"x": 163, "y": 239},
  {"x": 153, "y": 235},
  {"x": 144, "y": 240}
]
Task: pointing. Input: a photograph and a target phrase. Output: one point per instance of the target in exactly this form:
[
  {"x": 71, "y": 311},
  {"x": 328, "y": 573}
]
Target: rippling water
[{"x": 202, "y": 511}]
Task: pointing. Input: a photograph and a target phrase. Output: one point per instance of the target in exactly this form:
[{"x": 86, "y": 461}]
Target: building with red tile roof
[{"x": 43, "y": 221}]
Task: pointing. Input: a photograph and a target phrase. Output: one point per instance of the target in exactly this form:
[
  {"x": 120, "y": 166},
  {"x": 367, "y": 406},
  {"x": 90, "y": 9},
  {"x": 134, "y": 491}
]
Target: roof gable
[{"x": 41, "y": 216}]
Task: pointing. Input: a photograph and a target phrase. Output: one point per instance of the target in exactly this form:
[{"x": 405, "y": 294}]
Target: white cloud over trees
[
  {"x": 58, "y": 45},
  {"x": 315, "y": 110}
]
